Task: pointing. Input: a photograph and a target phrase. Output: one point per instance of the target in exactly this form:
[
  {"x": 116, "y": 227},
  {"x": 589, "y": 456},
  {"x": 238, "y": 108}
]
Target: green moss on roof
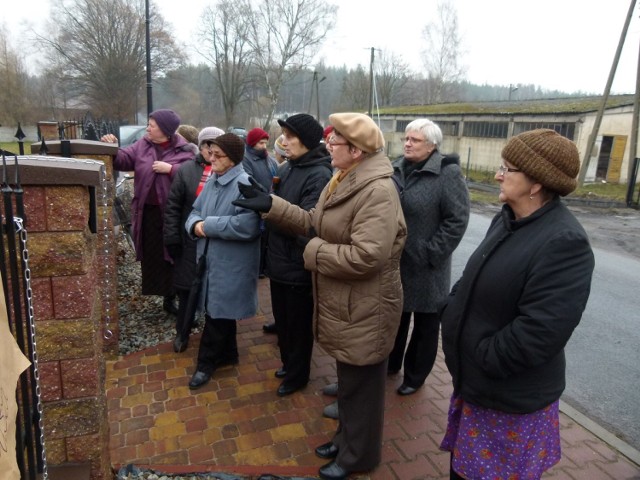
[{"x": 529, "y": 107}]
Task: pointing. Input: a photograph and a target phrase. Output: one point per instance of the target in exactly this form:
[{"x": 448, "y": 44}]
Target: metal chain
[
  {"x": 106, "y": 287},
  {"x": 22, "y": 232}
]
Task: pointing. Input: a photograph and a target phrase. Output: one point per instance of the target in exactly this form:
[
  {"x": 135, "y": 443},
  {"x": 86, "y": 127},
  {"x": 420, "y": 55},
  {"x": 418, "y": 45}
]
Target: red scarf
[{"x": 206, "y": 173}]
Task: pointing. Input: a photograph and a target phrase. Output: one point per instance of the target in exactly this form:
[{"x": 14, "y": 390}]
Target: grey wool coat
[
  {"x": 435, "y": 203},
  {"x": 230, "y": 285}
]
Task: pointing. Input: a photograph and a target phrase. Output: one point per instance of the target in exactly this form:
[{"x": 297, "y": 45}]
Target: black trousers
[
  {"x": 361, "y": 415},
  {"x": 181, "y": 316},
  {"x": 423, "y": 347},
  {"x": 157, "y": 273},
  {"x": 292, "y": 308},
  {"x": 218, "y": 344}
]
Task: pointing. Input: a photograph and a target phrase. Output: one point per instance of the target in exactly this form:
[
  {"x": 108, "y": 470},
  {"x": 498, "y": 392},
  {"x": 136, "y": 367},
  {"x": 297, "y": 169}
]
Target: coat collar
[
  {"x": 373, "y": 167},
  {"x": 432, "y": 165},
  {"x": 230, "y": 175}
]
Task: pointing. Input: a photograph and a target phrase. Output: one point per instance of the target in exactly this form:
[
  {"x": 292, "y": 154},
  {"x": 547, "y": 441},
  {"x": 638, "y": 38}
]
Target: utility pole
[
  {"x": 605, "y": 97},
  {"x": 313, "y": 82},
  {"x": 148, "y": 47},
  {"x": 371, "y": 83}
]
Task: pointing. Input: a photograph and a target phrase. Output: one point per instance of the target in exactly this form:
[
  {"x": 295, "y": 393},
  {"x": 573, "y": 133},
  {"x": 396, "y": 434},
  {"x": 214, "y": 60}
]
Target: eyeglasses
[
  {"x": 503, "y": 169},
  {"x": 333, "y": 143},
  {"x": 217, "y": 155},
  {"x": 412, "y": 140}
]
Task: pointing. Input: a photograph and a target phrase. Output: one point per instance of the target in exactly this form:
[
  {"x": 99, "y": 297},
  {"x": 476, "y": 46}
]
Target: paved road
[{"x": 603, "y": 355}]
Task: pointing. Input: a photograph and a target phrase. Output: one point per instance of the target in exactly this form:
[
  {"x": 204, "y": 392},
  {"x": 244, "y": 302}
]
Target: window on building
[
  {"x": 486, "y": 129},
  {"x": 448, "y": 128},
  {"x": 565, "y": 129},
  {"x": 401, "y": 125}
]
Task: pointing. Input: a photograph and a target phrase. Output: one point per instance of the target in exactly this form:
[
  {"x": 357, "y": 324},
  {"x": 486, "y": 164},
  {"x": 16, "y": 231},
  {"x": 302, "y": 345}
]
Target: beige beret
[{"x": 359, "y": 130}]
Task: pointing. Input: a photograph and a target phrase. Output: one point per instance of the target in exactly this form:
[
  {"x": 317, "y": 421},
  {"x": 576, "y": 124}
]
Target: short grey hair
[{"x": 427, "y": 128}]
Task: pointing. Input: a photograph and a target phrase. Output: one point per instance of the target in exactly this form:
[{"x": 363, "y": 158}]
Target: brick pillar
[{"x": 69, "y": 234}]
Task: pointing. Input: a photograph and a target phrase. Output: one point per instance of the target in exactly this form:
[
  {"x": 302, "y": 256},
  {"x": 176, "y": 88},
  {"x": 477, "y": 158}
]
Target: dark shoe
[
  {"x": 199, "y": 379},
  {"x": 280, "y": 373},
  {"x": 331, "y": 411},
  {"x": 285, "y": 389},
  {"x": 327, "y": 450},
  {"x": 169, "y": 306},
  {"x": 331, "y": 390},
  {"x": 406, "y": 390},
  {"x": 269, "y": 328},
  {"x": 180, "y": 345},
  {"x": 333, "y": 471}
]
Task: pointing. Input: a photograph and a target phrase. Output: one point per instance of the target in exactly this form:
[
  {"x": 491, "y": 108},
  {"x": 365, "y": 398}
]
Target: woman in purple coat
[{"x": 155, "y": 159}]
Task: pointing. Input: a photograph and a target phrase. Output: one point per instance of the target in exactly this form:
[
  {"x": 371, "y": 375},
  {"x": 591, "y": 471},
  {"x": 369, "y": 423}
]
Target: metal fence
[{"x": 16, "y": 282}]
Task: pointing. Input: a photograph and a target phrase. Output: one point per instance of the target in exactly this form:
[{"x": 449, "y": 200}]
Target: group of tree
[{"x": 256, "y": 62}]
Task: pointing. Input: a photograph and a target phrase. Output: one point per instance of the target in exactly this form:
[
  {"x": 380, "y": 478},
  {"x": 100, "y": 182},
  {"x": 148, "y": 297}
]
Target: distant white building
[{"x": 478, "y": 131}]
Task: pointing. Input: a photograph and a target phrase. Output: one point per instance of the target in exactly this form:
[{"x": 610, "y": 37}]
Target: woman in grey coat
[
  {"x": 230, "y": 284},
  {"x": 435, "y": 203}
]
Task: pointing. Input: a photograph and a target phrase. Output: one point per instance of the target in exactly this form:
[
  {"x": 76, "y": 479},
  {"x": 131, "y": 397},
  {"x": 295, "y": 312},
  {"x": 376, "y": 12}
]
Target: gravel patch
[{"x": 143, "y": 322}]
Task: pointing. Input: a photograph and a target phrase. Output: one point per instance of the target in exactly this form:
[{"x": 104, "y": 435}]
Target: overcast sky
[{"x": 567, "y": 45}]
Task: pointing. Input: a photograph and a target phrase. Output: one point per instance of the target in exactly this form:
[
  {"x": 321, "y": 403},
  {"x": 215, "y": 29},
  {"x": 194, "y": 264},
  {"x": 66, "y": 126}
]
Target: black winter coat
[
  {"x": 260, "y": 165},
  {"x": 508, "y": 318},
  {"x": 179, "y": 206},
  {"x": 301, "y": 182}
]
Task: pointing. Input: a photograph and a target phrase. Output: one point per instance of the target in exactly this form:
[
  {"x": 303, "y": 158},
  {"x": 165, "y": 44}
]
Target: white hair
[{"x": 427, "y": 128}]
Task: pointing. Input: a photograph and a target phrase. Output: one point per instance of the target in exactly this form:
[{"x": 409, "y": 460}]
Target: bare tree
[
  {"x": 392, "y": 74},
  {"x": 355, "y": 90},
  {"x": 225, "y": 33},
  {"x": 442, "y": 56},
  {"x": 13, "y": 93},
  {"x": 285, "y": 36},
  {"x": 99, "y": 47}
]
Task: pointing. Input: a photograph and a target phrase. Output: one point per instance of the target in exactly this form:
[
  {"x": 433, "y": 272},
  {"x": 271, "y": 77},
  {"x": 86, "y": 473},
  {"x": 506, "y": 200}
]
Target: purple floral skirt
[{"x": 489, "y": 444}]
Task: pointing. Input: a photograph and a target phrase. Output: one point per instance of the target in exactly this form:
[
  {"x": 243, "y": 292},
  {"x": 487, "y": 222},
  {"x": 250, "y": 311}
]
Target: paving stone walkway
[{"x": 238, "y": 425}]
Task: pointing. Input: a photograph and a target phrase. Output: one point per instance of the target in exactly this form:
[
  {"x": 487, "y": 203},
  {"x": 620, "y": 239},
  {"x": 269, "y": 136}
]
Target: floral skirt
[{"x": 489, "y": 444}]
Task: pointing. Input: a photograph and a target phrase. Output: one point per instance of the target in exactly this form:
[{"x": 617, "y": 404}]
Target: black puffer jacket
[
  {"x": 301, "y": 182},
  {"x": 179, "y": 206},
  {"x": 508, "y": 318}
]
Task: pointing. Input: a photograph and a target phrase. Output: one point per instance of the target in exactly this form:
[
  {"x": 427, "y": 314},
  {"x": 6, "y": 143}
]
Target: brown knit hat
[
  {"x": 189, "y": 132},
  {"x": 232, "y": 145},
  {"x": 359, "y": 130},
  {"x": 547, "y": 157}
]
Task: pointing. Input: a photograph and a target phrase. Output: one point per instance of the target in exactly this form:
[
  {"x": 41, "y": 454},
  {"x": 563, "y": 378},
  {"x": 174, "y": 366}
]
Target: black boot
[{"x": 169, "y": 306}]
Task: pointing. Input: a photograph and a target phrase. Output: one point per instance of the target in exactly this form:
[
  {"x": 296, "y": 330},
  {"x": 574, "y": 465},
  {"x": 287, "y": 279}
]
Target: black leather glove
[
  {"x": 174, "y": 251},
  {"x": 255, "y": 197}
]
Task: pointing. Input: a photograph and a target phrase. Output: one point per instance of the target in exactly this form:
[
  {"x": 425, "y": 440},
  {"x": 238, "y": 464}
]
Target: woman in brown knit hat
[{"x": 507, "y": 320}]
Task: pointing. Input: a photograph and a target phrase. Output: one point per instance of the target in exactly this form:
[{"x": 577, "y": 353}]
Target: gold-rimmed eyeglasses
[
  {"x": 332, "y": 141},
  {"x": 503, "y": 169}
]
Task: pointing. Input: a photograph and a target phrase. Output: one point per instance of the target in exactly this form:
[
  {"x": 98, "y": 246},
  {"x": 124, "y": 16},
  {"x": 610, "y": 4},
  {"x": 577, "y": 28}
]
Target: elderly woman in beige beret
[
  {"x": 356, "y": 234},
  {"x": 507, "y": 320}
]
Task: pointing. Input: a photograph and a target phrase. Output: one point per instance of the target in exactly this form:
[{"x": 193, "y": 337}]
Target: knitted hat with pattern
[
  {"x": 359, "y": 130},
  {"x": 167, "y": 120},
  {"x": 255, "y": 135},
  {"x": 305, "y": 127},
  {"x": 232, "y": 146},
  {"x": 547, "y": 157},
  {"x": 209, "y": 133},
  {"x": 278, "y": 147}
]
